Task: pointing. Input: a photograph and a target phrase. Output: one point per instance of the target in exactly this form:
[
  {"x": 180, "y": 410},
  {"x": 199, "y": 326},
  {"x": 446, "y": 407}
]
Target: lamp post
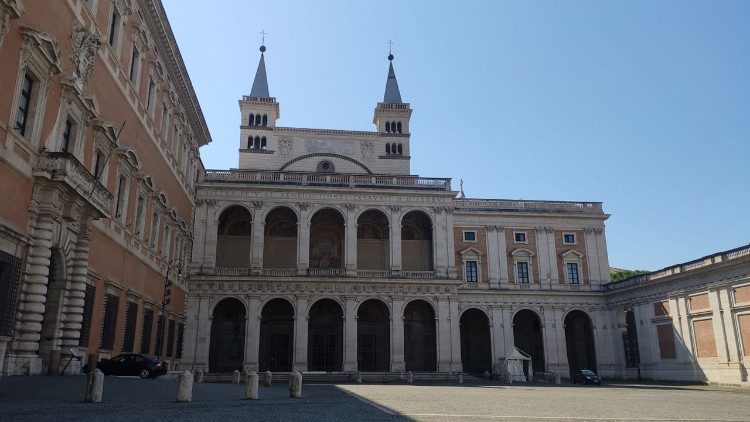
[{"x": 166, "y": 299}]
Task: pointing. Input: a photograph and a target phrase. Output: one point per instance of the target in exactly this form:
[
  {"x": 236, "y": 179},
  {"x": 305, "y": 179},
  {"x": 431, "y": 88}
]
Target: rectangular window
[
  {"x": 520, "y": 237},
  {"x": 121, "y": 192},
  {"x": 10, "y": 277},
  {"x": 522, "y": 272},
  {"x": 99, "y": 164},
  {"x": 88, "y": 313},
  {"x": 67, "y": 133},
  {"x": 175, "y": 143},
  {"x": 131, "y": 317},
  {"x": 24, "y": 105},
  {"x": 471, "y": 272},
  {"x": 114, "y": 27},
  {"x": 139, "y": 204},
  {"x": 148, "y": 326},
  {"x": 569, "y": 238},
  {"x": 572, "y": 269},
  {"x": 165, "y": 242},
  {"x": 135, "y": 64},
  {"x": 111, "y": 307},
  {"x": 470, "y": 236},
  {"x": 150, "y": 97},
  {"x": 164, "y": 117},
  {"x": 180, "y": 339},
  {"x": 170, "y": 338},
  {"x": 154, "y": 229}
]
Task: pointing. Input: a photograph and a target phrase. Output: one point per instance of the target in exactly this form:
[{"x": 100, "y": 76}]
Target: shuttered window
[
  {"x": 148, "y": 326},
  {"x": 180, "y": 339},
  {"x": 160, "y": 335},
  {"x": 131, "y": 318},
  {"x": 170, "y": 338},
  {"x": 88, "y": 312},
  {"x": 111, "y": 306},
  {"x": 10, "y": 274}
]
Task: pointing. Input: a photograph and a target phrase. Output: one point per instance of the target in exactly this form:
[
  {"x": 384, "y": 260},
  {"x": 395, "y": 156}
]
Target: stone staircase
[{"x": 312, "y": 377}]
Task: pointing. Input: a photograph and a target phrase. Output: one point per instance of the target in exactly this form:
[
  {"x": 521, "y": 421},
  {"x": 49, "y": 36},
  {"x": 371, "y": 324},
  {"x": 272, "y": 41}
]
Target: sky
[{"x": 642, "y": 105}]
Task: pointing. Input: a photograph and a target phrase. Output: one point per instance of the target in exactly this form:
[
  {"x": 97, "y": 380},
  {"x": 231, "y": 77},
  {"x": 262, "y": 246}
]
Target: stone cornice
[{"x": 157, "y": 20}]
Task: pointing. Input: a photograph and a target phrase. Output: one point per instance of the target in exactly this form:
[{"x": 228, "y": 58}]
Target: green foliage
[{"x": 619, "y": 275}]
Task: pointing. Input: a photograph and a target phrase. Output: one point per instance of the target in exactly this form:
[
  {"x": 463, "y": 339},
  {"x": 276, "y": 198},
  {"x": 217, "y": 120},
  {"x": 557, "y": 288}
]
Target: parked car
[
  {"x": 586, "y": 376},
  {"x": 144, "y": 366}
]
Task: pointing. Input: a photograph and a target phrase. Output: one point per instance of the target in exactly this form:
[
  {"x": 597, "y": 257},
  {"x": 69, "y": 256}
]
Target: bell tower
[
  {"x": 259, "y": 114},
  {"x": 392, "y": 117}
]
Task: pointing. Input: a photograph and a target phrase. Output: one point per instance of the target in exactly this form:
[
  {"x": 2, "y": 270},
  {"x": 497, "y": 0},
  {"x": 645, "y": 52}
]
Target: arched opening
[
  {"x": 398, "y": 127},
  {"x": 249, "y": 142},
  {"x": 373, "y": 336},
  {"x": 257, "y": 119},
  {"x": 579, "y": 341},
  {"x": 420, "y": 352},
  {"x": 388, "y": 127},
  {"x": 233, "y": 241},
  {"x": 265, "y": 120},
  {"x": 527, "y": 336},
  {"x": 227, "y": 349},
  {"x": 327, "y": 239},
  {"x": 251, "y": 119},
  {"x": 400, "y": 149},
  {"x": 280, "y": 242},
  {"x": 256, "y": 145},
  {"x": 373, "y": 247},
  {"x": 263, "y": 143},
  {"x": 276, "y": 336},
  {"x": 630, "y": 341},
  {"x": 387, "y": 148},
  {"x": 416, "y": 242},
  {"x": 476, "y": 354},
  {"x": 51, "y": 335},
  {"x": 325, "y": 332}
]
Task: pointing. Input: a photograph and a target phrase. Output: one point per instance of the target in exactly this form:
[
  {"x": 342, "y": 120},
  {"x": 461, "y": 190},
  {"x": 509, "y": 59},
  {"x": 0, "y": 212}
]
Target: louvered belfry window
[
  {"x": 10, "y": 275},
  {"x": 88, "y": 311},
  {"x": 111, "y": 306},
  {"x": 131, "y": 317},
  {"x": 148, "y": 326}
]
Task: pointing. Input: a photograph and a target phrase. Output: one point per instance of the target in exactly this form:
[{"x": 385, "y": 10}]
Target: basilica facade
[{"x": 323, "y": 252}]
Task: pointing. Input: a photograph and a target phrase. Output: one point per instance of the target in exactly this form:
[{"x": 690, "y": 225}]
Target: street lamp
[{"x": 166, "y": 299}]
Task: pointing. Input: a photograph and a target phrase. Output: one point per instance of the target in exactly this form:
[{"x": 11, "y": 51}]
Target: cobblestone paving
[{"x": 128, "y": 399}]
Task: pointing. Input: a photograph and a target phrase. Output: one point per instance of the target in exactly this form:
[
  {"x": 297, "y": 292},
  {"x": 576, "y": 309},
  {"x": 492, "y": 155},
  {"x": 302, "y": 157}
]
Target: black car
[
  {"x": 586, "y": 376},
  {"x": 144, "y": 366}
]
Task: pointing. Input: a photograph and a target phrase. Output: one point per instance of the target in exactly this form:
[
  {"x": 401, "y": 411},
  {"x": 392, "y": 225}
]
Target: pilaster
[
  {"x": 397, "y": 339},
  {"x": 350, "y": 239},
  {"x": 256, "y": 249},
  {"x": 444, "y": 350},
  {"x": 300, "y": 335},
  {"x": 493, "y": 260},
  {"x": 350, "y": 335},
  {"x": 395, "y": 238},
  {"x": 451, "y": 245},
  {"x": 252, "y": 344}
]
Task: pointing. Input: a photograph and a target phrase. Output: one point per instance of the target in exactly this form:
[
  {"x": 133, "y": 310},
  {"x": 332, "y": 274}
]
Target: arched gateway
[
  {"x": 227, "y": 350},
  {"x": 579, "y": 341},
  {"x": 373, "y": 337},
  {"x": 325, "y": 347},
  {"x": 276, "y": 336},
  {"x": 419, "y": 337},
  {"x": 527, "y": 336},
  {"x": 476, "y": 355}
]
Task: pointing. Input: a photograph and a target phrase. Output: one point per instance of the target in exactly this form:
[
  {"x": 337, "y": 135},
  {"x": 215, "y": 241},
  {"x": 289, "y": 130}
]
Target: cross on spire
[
  {"x": 390, "y": 46},
  {"x": 263, "y": 34}
]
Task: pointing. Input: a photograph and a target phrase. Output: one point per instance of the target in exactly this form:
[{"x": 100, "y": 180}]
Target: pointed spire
[
  {"x": 260, "y": 83},
  {"x": 392, "y": 94}
]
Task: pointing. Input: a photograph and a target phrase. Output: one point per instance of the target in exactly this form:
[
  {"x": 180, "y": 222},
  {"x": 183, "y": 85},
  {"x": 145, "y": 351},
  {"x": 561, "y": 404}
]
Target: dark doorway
[
  {"x": 234, "y": 238},
  {"x": 416, "y": 242},
  {"x": 476, "y": 354},
  {"x": 579, "y": 340},
  {"x": 327, "y": 239},
  {"x": 420, "y": 352},
  {"x": 227, "y": 350},
  {"x": 373, "y": 337},
  {"x": 527, "y": 336},
  {"x": 280, "y": 244},
  {"x": 325, "y": 347},
  {"x": 276, "y": 336}
]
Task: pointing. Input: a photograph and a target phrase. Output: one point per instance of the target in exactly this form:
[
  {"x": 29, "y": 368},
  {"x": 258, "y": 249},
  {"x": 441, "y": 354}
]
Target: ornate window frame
[
  {"x": 9, "y": 9},
  {"x": 572, "y": 257},
  {"x": 523, "y": 255},
  {"x": 475, "y": 255}
]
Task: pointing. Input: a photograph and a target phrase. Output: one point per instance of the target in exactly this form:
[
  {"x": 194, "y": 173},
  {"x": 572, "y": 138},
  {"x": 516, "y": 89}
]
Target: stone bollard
[
  {"x": 251, "y": 386},
  {"x": 236, "y": 377},
  {"x": 450, "y": 375},
  {"x": 358, "y": 377},
  {"x": 94, "y": 387},
  {"x": 410, "y": 378},
  {"x": 558, "y": 379},
  {"x": 199, "y": 375},
  {"x": 185, "y": 387},
  {"x": 269, "y": 379},
  {"x": 295, "y": 385},
  {"x": 401, "y": 375},
  {"x": 460, "y": 378}
]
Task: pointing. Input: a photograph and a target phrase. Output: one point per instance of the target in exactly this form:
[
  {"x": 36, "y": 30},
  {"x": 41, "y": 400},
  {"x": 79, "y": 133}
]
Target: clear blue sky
[{"x": 643, "y": 105}]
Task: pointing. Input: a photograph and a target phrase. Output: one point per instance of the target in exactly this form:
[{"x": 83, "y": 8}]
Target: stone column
[
  {"x": 508, "y": 339},
  {"x": 684, "y": 353},
  {"x": 31, "y": 301},
  {"x": 350, "y": 241},
  {"x": 592, "y": 256},
  {"x": 300, "y": 336},
  {"x": 397, "y": 337},
  {"x": 303, "y": 240},
  {"x": 542, "y": 254},
  {"x": 439, "y": 242},
  {"x": 258, "y": 237},
  {"x": 191, "y": 331},
  {"x": 202, "y": 334},
  {"x": 725, "y": 313},
  {"x": 443, "y": 334},
  {"x": 455, "y": 337},
  {"x": 395, "y": 238},
  {"x": 212, "y": 232},
  {"x": 502, "y": 254},
  {"x": 722, "y": 351},
  {"x": 350, "y": 335},
  {"x": 493, "y": 260},
  {"x": 554, "y": 340},
  {"x": 450, "y": 245},
  {"x": 647, "y": 340},
  {"x": 252, "y": 343},
  {"x": 73, "y": 317},
  {"x": 498, "y": 339},
  {"x": 601, "y": 245}
]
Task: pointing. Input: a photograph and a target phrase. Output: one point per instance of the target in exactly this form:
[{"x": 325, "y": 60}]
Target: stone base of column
[
  {"x": 398, "y": 366},
  {"x": 350, "y": 366},
  {"x": 299, "y": 366},
  {"x": 444, "y": 366},
  {"x": 250, "y": 366},
  {"x": 302, "y": 272},
  {"x": 22, "y": 365}
]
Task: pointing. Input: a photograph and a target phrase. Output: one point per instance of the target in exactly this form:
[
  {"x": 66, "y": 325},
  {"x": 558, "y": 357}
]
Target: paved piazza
[{"x": 42, "y": 398}]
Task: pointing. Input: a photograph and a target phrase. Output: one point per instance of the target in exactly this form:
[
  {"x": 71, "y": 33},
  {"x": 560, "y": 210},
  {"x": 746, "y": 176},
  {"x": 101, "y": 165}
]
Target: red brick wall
[
  {"x": 699, "y": 302},
  {"x": 480, "y": 244},
  {"x": 530, "y": 245},
  {"x": 742, "y": 294},
  {"x": 744, "y": 323},
  {"x": 666, "y": 341},
  {"x": 705, "y": 342},
  {"x": 579, "y": 247}
]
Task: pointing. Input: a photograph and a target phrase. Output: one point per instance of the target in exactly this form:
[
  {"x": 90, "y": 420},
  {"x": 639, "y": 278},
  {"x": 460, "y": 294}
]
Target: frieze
[
  {"x": 317, "y": 197},
  {"x": 320, "y": 287}
]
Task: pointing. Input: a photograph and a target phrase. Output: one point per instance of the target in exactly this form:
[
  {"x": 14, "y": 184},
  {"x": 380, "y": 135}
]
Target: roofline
[{"x": 163, "y": 30}]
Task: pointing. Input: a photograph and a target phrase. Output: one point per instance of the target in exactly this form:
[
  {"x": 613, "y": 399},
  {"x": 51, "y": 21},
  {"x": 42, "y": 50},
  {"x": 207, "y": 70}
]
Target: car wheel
[{"x": 145, "y": 373}]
